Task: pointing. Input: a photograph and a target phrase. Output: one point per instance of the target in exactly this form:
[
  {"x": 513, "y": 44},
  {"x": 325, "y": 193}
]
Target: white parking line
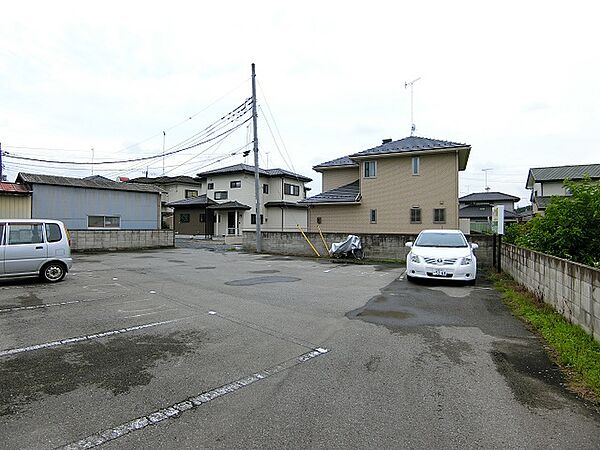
[
  {"x": 176, "y": 409},
  {"x": 14, "y": 351}
]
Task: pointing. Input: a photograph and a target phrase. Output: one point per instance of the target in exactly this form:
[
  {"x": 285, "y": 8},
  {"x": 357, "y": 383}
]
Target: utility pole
[
  {"x": 413, "y": 127},
  {"x": 256, "y": 175}
]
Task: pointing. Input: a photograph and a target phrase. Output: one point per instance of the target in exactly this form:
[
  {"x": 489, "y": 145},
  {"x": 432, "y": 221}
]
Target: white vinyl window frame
[
  {"x": 416, "y": 165},
  {"x": 370, "y": 169}
]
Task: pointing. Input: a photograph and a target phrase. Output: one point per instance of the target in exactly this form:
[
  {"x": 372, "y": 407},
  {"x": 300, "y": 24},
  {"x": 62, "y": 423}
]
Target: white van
[{"x": 34, "y": 247}]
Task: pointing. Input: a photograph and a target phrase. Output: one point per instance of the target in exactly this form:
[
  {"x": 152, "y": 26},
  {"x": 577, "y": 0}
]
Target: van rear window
[{"x": 53, "y": 233}]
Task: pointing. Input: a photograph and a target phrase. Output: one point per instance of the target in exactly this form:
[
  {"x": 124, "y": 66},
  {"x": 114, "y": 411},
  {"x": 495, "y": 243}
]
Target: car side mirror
[
  {"x": 408, "y": 244},
  {"x": 474, "y": 246}
]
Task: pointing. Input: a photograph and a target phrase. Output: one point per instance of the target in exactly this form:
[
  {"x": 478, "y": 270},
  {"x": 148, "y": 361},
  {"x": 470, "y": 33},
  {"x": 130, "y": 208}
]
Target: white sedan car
[{"x": 441, "y": 254}]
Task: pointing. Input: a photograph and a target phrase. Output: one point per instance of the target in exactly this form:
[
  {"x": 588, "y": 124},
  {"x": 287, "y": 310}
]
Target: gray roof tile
[
  {"x": 201, "y": 200},
  {"x": 349, "y": 193},
  {"x": 409, "y": 144},
  {"x": 183, "y": 179},
  {"x": 560, "y": 173},
  {"x": 339, "y": 162},
  {"x": 245, "y": 168},
  {"x": 488, "y": 197},
  {"x": 94, "y": 183}
]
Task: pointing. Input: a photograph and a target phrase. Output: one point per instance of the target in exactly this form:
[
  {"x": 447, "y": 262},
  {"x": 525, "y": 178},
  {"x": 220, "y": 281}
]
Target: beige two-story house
[
  {"x": 226, "y": 205},
  {"x": 400, "y": 186}
]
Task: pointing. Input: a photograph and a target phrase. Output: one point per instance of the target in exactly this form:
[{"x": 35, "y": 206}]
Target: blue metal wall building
[{"x": 74, "y": 200}]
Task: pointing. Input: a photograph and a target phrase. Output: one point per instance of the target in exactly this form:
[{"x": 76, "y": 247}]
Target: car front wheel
[{"x": 53, "y": 272}]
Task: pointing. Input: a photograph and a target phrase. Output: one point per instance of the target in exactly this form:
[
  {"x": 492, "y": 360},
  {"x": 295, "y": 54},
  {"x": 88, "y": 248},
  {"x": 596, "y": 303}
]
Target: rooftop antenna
[
  {"x": 413, "y": 127},
  {"x": 163, "y": 153},
  {"x": 487, "y": 188},
  {"x": 92, "y": 161}
]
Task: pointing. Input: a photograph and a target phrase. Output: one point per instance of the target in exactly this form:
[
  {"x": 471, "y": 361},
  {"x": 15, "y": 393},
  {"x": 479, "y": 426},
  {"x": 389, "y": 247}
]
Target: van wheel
[{"x": 53, "y": 272}]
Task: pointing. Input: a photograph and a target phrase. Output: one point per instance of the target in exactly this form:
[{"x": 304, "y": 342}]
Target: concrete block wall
[
  {"x": 89, "y": 240},
  {"x": 376, "y": 246},
  {"x": 571, "y": 288}
]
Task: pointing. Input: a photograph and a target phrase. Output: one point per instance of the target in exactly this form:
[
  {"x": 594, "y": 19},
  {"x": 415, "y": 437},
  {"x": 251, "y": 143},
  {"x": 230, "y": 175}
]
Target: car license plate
[{"x": 440, "y": 273}]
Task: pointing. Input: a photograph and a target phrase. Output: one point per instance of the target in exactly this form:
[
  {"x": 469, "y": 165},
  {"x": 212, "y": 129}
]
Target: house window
[
  {"x": 210, "y": 186},
  {"x": 202, "y": 217},
  {"x": 235, "y": 184},
  {"x": 191, "y": 193},
  {"x": 373, "y": 216},
  {"x": 416, "y": 165},
  {"x": 415, "y": 215},
  {"x": 104, "y": 222},
  {"x": 291, "y": 189},
  {"x": 439, "y": 215},
  {"x": 319, "y": 220},
  {"x": 370, "y": 169},
  {"x": 253, "y": 219},
  {"x": 184, "y": 218},
  {"x": 220, "y": 195},
  {"x": 265, "y": 188}
]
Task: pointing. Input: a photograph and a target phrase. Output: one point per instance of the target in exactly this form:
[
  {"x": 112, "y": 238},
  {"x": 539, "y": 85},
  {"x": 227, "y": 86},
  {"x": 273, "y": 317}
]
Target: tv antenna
[
  {"x": 413, "y": 127},
  {"x": 487, "y": 188}
]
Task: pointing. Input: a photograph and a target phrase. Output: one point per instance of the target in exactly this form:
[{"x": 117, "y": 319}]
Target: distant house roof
[
  {"x": 229, "y": 205},
  {"x": 559, "y": 173},
  {"x": 482, "y": 197},
  {"x": 244, "y": 168},
  {"x": 349, "y": 193},
  {"x": 344, "y": 161},
  {"x": 201, "y": 200},
  {"x": 14, "y": 189},
  {"x": 32, "y": 178},
  {"x": 482, "y": 212},
  {"x": 183, "y": 179},
  {"x": 411, "y": 144}
]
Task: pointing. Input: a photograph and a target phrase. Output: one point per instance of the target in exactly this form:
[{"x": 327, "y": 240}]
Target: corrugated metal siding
[
  {"x": 138, "y": 210},
  {"x": 15, "y": 207}
]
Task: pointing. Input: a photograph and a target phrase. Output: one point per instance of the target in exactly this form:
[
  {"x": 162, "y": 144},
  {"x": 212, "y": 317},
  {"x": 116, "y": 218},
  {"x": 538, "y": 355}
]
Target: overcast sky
[{"x": 518, "y": 81}]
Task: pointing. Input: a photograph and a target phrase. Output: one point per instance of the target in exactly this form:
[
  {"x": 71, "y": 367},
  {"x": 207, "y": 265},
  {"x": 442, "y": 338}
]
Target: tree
[{"x": 570, "y": 227}]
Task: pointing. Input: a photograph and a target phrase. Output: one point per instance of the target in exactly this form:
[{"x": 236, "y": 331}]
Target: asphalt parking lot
[{"x": 198, "y": 348}]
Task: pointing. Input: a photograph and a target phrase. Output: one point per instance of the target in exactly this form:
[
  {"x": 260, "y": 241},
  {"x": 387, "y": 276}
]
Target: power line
[{"x": 132, "y": 159}]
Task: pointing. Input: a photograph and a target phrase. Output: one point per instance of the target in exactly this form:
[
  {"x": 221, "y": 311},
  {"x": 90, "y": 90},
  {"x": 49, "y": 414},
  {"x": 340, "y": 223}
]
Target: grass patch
[{"x": 573, "y": 349}]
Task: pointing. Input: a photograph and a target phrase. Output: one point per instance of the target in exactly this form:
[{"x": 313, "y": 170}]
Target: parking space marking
[
  {"x": 196, "y": 401},
  {"x": 46, "y": 305},
  {"x": 89, "y": 337}
]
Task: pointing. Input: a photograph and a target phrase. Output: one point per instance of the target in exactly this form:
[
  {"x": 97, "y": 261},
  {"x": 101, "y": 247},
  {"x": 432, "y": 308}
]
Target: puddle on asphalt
[
  {"x": 262, "y": 280},
  {"x": 453, "y": 291},
  {"x": 399, "y": 315},
  {"x": 529, "y": 373},
  {"x": 176, "y": 260},
  {"x": 144, "y": 257},
  {"x": 205, "y": 267},
  {"x": 264, "y": 271},
  {"x": 117, "y": 365}
]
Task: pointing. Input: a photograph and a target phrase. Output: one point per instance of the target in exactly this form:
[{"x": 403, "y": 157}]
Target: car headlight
[
  {"x": 415, "y": 258},
  {"x": 465, "y": 261}
]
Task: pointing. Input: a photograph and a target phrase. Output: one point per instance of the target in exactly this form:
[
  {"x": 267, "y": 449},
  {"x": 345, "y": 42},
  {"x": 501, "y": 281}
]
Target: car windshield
[{"x": 451, "y": 240}]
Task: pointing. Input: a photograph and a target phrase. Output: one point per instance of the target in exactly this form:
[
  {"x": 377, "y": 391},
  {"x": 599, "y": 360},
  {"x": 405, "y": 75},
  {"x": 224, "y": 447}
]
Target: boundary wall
[
  {"x": 572, "y": 289},
  {"x": 376, "y": 246},
  {"x": 110, "y": 240}
]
